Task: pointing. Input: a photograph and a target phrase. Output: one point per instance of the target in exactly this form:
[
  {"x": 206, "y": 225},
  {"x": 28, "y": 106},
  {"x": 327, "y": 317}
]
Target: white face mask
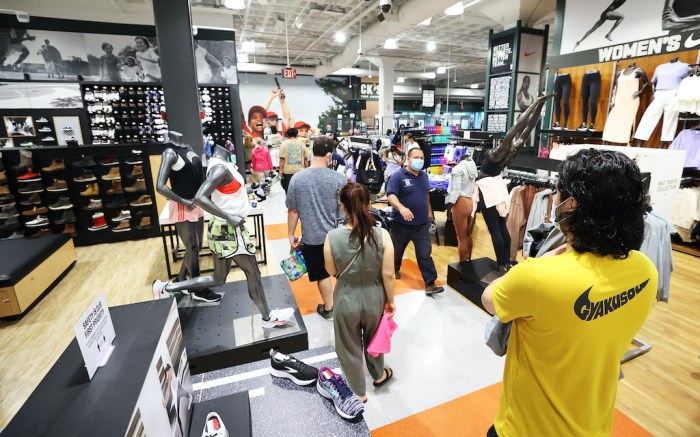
[{"x": 554, "y": 216}]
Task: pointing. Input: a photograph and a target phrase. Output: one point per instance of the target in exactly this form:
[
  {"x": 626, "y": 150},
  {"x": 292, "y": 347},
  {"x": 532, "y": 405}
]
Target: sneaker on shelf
[
  {"x": 4, "y": 190},
  {"x": 69, "y": 228},
  {"x": 8, "y": 211},
  {"x": 25, "y": 160},
  {"x": 116, "y": 188},
  {"x": 591, "y": 127},
  {"x": 214, "y": 426},
  {"x": 56, "y": 165},
  {"x": 9, "y": 225},
  {"x": 98, "y": 222},
  {"x": 94, "y": 205},
  {"x": 556, "y": 126},
  {"x": 29, "y": 176},
  {"x": 67, "y": 217},
  {"x": 45, "y": 129},
  {"x": 117, "y": 203},
  {"x": 3, "y": 177},
  {"x": 123, "y": 215},
  {"x": 62, "y": 203},
  {"x": 8, "y": 199},
  {"x": 205, "y": 295},
  {"x": 58, "y": 185},
  {"x": 134, "y": 159},
  {"x": 85, "y": 177},
  {"x": 48, "y": 139},
  {"x": 137, "y": 171},
  {"x": 332, "y": 386},
  {"x": 159, "y": 291},
  {"x": 15, "y": 235},
  {"x": 138, "y": 187},
  {"x": 85, "y": 161},
  {"x": 27, "y": 144},
  {"x": 326, "y": 314},
  {"x": 41, "y": 233},
  {"x": 40, "y": 220},
  {"x": 35, "y": 211},
  {"x": 110, "y": 160},
  {"x": 34, "y": 187},
  {"x": 144, "y": 200},
  {"x": 145, "y": 223},
  {"x": 278, "y": 317},
  {"x": 32, "y": 199},
  {"x": 286, "y": 366},
  {"x": 112, "y": 175},
  {"x": 582, "y": 128},
  {"x": 42, "y": 120},
  {"x": 91, "y": 190},
  {"x": 123, "y": 226}
]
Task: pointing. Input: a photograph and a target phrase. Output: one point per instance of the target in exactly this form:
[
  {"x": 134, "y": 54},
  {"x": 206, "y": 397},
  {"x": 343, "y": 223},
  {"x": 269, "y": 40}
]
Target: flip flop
[{"x": 389, "y": 373}]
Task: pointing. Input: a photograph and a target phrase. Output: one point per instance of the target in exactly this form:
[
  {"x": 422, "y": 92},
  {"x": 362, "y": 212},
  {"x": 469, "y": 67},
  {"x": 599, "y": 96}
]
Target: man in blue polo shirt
[{"x": 407, "y": 192}]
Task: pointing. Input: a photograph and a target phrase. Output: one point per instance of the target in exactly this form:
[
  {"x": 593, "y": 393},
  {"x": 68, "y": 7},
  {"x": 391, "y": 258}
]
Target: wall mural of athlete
[
  {"x": 681, "y": 15},
  {"x": 611, "y": 14}
]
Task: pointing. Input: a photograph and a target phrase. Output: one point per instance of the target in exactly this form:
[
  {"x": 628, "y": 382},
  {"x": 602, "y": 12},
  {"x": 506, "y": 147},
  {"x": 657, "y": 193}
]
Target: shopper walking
[
  {"x": 364, "y": 256},
  {"x": 313, "y": 198},
  {"x": 407, "y": 192},
  {"x": 293, "y": 157},
  {"x": 575, "y": 314},
  {"x": 274, "y": 141},
  {"x": 459, "y": 195}
]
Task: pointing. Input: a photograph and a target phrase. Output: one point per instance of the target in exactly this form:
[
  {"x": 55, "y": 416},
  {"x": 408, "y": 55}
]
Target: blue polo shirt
[{"x": 412, "y": 192}]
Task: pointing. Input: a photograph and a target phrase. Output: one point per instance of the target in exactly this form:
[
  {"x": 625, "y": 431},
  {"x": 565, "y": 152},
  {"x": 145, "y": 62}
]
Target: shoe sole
[
  {"x": 113, "y": 178},
  {"x": 33, "y": 179},
  {"x": 322, "y": 391},
  {"x": 52, "y": 170},
  {"x": 201, "y": 299},
  {"x": 121, "y": 230},
  {"x": 283, "y": 374},
  {"x": 270, "y": 324},
  {"x": 54, "y": 190},
  {"x": 141, "y": 204},
  {"x": 82, "y": 181},
  {"x": 37, "y": 225},
  {"x": 99, "y": 228},
  {"x": 57, "y": 208},
  {"x": 117, "y": 219},
  {"x": 31, "y": 192}
]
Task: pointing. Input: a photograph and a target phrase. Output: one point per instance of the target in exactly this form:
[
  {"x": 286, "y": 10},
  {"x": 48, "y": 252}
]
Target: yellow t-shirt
[
  {"x": 574, "y": 316},
  {"x": 295, "y": 153}
]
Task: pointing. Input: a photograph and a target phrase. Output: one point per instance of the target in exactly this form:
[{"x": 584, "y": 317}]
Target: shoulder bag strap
[{"x": 352, "y": 261}]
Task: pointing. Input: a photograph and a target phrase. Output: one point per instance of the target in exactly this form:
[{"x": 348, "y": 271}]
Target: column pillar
[
  {"x": 179, "y": 73},
  {"x": 386, "y": 92}
]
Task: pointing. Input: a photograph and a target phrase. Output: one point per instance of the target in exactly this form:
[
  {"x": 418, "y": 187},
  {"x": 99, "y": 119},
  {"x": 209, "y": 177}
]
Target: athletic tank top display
[
  {"x": 232, "y": 197},
  {"x": 489, "y": 168},
  {"x": 186, "y": 181}
]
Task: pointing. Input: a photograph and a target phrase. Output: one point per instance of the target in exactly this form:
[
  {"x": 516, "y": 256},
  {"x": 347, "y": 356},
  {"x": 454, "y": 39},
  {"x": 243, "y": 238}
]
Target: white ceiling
[{"x": 462, "y": 41}]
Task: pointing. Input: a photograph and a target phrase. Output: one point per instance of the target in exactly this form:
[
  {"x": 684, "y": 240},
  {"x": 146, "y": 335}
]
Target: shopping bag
[
  {"x": 294, "y": 265},
  {"x": 497, "y": 335},
  {"x": 381, "y": 342}
]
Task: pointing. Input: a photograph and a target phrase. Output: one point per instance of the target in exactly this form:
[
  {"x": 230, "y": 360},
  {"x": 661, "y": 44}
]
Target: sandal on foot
[{"x": 389, "y": 373}]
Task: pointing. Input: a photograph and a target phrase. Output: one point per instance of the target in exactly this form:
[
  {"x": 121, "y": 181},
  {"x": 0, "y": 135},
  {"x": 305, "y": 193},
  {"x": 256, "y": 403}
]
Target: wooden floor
[{"x": 660, "y": 391}]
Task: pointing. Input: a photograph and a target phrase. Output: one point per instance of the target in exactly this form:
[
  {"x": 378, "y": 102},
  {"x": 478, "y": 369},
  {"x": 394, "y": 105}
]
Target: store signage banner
[
  {"x": 369, "y": 91},
  {"x": 502, "y": 54},
  {"x": 94, "y": 332},
  {"x": 598, "y": 31}
]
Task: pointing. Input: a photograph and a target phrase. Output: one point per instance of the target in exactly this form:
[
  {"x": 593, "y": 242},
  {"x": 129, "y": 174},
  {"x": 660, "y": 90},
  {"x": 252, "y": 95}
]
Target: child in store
[{"x": 261, "y": 160}]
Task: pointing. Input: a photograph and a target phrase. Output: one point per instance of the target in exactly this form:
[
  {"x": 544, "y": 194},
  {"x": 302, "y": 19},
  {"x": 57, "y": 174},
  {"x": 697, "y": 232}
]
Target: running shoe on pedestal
[
  {"x": 286, "y": 366},
  {"x": 332, "y": 386}
]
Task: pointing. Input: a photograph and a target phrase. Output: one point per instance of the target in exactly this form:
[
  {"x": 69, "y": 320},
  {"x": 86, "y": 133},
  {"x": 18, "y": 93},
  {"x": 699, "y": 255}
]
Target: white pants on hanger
[{"x": 663, "y": 103}]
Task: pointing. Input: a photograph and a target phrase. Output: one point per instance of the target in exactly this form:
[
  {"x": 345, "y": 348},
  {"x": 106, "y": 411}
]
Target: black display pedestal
[
  {"x": 465, "y": 277},
  {"x": 222, "y": 335},
  {"x": 234, "y": 411}
]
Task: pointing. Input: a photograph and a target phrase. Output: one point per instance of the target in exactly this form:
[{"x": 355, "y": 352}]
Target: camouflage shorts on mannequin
[{"x": 226, "y": 240}]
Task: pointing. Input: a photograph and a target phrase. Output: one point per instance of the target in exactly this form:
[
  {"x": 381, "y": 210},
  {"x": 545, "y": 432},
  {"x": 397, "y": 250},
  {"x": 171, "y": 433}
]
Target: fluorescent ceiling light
[
  {"x": 475, "y": 86},
  {"x": 243, "y": 58},
  {"x": 441, "y": 70},
  {"x": 339, "y": 37},
  {"x": 430, "y": 46},
  {"x": 470, "y": 4},
  {"x": 234, "y": 4},
  {"x": 391, "y": 44},
  {"x": 456, "y": 9},
  {"x": 248, "y": 47},
  {"x": 426, "y": 22},
  {"x": 400, "y": 79},
  {"x": 298, "y": 22}
]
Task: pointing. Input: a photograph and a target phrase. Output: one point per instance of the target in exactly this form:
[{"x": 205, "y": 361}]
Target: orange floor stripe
[
  {"x": 278, "y": 232},
  {"x": 472, "y": 415}
]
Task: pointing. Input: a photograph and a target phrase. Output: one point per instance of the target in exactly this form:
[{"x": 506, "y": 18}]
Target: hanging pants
[{"x": 663, "y": 103}]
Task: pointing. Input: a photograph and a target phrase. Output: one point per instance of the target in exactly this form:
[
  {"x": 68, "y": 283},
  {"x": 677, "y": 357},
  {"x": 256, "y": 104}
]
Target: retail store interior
[{"x": 349, "y": 218}]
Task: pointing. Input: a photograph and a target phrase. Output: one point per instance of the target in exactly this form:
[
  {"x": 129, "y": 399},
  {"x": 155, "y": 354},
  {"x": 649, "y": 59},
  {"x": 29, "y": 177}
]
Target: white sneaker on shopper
[
  {"x": 159, "y": 291},
  {"x": 278, "y": 317},
  {"x": 214, "y": 426}
]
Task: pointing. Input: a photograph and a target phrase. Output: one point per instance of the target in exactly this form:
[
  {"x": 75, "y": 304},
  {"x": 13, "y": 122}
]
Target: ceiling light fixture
[
  {"x": 441, "y": 70},
  {"x": 475, "y": 86},
  {"x": 456, "y": 9},
  {"x": 430, "y": 46},
  {"x": 391, "y": 44},
  {"x": 243, "y": 58},
  {"x": 400, "y": 79},
  {"x": 339, "y": 37},
  {"x": 234, "y": 4},
  {"x": 248, "y": 47},
  {"x": 298, "y": 22},
  {"x": 426, "y": 22}
]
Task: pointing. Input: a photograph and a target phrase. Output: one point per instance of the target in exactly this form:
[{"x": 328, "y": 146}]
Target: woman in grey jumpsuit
[{"x": 364, "y": 291}]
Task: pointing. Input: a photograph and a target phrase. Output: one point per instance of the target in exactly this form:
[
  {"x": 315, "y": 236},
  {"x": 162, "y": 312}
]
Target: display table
[
  {"x": 168, "y": 234},
  {"x": 466, "y": 278}
]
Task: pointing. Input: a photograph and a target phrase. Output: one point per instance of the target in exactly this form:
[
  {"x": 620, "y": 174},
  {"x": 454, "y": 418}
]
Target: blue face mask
[{"x": 417, "y": 164}]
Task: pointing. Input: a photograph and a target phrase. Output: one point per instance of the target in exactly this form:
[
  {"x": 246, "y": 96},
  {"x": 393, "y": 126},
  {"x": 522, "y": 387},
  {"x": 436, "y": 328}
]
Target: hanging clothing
[
  {"x": 688, "y": 140},
  {"x": 539, "y": 211},
  {"x": 618, "y": 126},
  {"x": 689, "y": 95},
  {"x": 494, "y": 191},
  {"x": 369, "y": 171},
  {"x": 687, "y": 212},
  {"x": 668, "y": 76},
  {"x": 462, "y": 181},
  {"x": 517, "y": 220},
  {"x": 590, "y": 92},
  {"x": 657, "y": 246},
  {"x": 663, "y": 104}
]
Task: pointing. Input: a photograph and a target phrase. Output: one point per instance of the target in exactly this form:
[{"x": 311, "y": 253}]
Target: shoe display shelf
[
  {"x": 97, "y": 194},
  {"x": 47, "y": 127},
  {"x": 215, "y": 101}
]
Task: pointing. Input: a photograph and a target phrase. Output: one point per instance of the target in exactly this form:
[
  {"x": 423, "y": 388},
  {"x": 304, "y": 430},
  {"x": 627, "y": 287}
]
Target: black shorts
[{"x": 315, "y": 262}]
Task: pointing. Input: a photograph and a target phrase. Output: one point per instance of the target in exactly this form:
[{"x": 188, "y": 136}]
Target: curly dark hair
[{"x": 611, "y": 200}]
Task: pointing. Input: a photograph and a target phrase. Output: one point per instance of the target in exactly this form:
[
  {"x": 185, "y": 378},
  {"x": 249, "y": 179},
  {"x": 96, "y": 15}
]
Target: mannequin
[
  {"x": 618, "y": 126},
  {"x": 460, "y": 204},
  {"x": 493, "y": 190},
  {"x": 223, "y": 194},
  {"x": 666, "y": 80},
  {"x": 562, "y": 91},
  {"x": 181, "y": 165},
  {"x": 590, "y": 92}
]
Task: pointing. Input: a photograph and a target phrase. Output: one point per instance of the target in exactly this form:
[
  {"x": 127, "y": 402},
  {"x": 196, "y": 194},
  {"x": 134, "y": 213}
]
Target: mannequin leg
[
  {"x": 461, "y": 214},
  {"x": 200, "y": 232},
  {"x": 500, "y": 238},
  {"x": 249, "y": 265},
  {"x": 585, "y": 95},
  {"x": 222, "y": 266},
  {"x": 192, "y": 241},
  {"x": 595, "y": 95},
  {"x": 557, "y": 99},
  {"x": 565, "y": 96}
]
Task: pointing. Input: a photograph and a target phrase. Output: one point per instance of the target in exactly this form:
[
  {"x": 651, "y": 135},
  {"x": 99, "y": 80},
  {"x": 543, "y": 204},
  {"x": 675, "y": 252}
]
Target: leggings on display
[
  {"x": 562, "y": 89},
  {"x": 500, "y": 238},
  {"x": 590, "y": 92}
]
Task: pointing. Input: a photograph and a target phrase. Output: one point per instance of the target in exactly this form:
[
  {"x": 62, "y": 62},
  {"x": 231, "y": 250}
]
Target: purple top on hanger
[
  {"x": 668, "y": 76},
  {"x": 688, "y": 140}
]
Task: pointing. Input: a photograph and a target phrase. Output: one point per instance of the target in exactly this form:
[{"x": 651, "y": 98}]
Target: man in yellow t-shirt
[
  {"x": 575, "y": 313},
  {"x": 294, "y": 157}
]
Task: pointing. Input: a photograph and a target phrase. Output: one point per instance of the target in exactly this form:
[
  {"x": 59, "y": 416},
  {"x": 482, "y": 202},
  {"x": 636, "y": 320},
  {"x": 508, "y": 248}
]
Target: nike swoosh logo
[
  {"x": 529, "y": 53},
  {"x": 690, "y": 42},
  {"x": 588, "y": 311},
  {"x": 290, "y": 370}
]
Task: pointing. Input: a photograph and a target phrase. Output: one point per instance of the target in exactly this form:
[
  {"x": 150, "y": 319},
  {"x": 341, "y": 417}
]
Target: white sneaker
[
  {"x": 159, "y": 291},
  {"x": 214, "y": 426},
  {"x": 278, "y": 317}
]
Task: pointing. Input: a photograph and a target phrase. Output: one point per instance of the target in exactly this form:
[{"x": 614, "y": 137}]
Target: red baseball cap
[
  {"x": 271, "y": 114},
  {"x": 300, "y": 124}
]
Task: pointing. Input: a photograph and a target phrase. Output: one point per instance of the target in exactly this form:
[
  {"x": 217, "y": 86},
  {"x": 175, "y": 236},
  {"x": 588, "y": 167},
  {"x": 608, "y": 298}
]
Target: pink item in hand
[{"x": 381, "y": 342}]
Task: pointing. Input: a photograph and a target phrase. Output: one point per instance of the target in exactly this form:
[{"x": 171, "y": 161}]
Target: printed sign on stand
[{"x": 95, "y": 333}]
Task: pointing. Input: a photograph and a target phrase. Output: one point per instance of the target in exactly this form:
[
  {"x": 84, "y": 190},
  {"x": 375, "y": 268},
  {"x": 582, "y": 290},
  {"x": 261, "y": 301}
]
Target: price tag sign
[
  {"x": 289, "y": 73},
  {"x": 95, "y": 333}
]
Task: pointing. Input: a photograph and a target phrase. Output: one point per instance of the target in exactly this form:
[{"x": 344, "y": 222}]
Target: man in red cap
[{"x": 256, "y": 116}]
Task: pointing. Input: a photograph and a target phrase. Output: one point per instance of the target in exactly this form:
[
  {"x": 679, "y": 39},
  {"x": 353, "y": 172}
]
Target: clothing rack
[{"x": 527, "y": 178}]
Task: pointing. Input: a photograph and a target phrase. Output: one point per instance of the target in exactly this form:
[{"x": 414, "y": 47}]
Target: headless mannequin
[
  {"x": 662, "y": 144},
  {"x": 191, "y": 233},
  {"x": 495, "y": 161},
  {"x": 219, "y": 176}
]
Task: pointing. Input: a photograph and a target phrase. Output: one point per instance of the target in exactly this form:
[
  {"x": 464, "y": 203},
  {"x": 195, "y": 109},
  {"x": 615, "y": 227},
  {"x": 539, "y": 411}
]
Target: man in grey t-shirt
[{"x": 313, "y": 197}]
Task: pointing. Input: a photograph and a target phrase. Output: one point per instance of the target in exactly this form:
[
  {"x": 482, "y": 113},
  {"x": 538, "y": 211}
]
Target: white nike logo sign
[
  {"x": 290, "y": 370},
  {"x": 690, "y": 42}
]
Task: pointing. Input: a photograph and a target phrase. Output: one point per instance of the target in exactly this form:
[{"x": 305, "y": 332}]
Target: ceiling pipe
[{"x": 358, "y": 72}]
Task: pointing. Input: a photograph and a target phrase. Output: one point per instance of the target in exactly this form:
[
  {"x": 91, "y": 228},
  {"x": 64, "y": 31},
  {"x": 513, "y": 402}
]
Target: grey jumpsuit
[{"x": 358, "y": 307}]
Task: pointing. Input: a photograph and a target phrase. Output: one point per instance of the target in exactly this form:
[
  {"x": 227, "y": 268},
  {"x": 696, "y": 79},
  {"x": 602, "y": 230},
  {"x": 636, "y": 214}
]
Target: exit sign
[{"x": 289, "y": 73}]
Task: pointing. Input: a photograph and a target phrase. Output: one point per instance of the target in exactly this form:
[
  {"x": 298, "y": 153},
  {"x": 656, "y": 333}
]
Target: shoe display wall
[{"x": 215, "y": 101}]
